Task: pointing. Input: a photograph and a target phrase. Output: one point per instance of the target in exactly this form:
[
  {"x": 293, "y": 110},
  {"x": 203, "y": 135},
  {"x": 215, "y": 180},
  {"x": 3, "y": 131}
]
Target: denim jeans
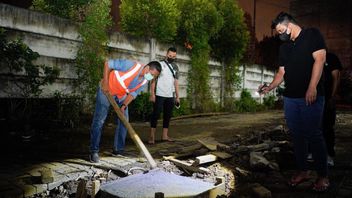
[
  {"x": 329, "y": 119},
  {"x": 101, "y": 111},
  {"x": 304, "y": 123}
]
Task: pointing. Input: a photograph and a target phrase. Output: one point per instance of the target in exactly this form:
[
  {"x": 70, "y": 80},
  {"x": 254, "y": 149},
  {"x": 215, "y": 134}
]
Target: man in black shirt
[
  {"x": 301, "y": 62},
  {"x": 332, "y": 77}
]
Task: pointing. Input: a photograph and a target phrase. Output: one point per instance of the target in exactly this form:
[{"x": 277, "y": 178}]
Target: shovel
[{"x": 132, "y": 132}]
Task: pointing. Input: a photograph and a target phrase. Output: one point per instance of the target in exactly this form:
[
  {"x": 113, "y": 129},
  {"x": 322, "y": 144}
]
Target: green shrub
[
  {"x": 69, "y": 108},
  {"x": 62, "y": 8},
  {"x": 246, "y": 103},
  {"x": 269, "y": 101},
  {"x": 184, "y": 109},
  {"x": 91, "y": 54},
  {"x": 141, "y": 108}
]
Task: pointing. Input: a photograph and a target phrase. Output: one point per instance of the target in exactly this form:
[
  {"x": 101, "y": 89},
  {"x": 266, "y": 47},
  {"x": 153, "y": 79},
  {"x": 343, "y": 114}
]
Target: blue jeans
[
  {"x": 101, "y": 111},
  {"x": 304, "y": 123}
]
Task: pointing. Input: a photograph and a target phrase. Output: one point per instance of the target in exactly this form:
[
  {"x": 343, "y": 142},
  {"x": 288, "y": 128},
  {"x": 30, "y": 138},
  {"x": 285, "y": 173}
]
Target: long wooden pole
[{"x": 131, "y": 132}]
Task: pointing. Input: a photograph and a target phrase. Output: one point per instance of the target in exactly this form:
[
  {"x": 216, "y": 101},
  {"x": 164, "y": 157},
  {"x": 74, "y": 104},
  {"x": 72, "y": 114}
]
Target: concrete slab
[{"x": 146, "y": 185}]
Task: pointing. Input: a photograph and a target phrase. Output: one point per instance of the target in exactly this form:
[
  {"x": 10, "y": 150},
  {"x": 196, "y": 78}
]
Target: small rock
[
  {"x": 278, "y": 128},
  {"x": 275, "y": 150},
  {"x": 165, "y": 163},
  {"x": 61, "y": 189}
]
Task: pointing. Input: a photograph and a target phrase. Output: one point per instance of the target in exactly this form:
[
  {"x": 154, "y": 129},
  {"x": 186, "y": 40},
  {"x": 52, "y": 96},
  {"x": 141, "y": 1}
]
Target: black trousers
[
  {"x": 328, "y": 125},
  {"x": 165, "y": 105}
]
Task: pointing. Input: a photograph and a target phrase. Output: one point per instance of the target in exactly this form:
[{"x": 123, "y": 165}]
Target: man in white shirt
[{"x": 164, "y": 94}]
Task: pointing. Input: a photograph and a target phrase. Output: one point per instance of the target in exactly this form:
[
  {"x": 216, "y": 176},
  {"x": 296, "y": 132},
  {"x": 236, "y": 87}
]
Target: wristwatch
[{"x": 123, "y": 105}]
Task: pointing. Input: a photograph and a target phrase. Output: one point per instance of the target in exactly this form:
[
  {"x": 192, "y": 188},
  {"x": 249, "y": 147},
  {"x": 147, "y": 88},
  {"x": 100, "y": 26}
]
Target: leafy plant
[
  {"x": 152, "y": 19},
  {"x": 62, "y": 8},
  {"x": 200, "y": 20},
  {"x": 26, "y": 80},
  {"x": 246, "y": 102},
  {"x": 269, "y": 101},
  {"x": 229, "y": 45},
  {"x": 91, "y": 55},
  {"x": 17, "y": 59},
  {"x": 69, "y": 107},
  {"x": 184, "y": 109},
  {"x": 141, "y": 108}
]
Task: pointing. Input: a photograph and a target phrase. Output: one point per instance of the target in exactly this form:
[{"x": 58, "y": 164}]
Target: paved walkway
[{"x": 25, "y": 181}]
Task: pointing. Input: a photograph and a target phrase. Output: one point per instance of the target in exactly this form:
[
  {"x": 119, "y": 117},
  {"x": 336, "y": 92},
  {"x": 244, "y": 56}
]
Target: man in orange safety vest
[{"x": 124, "y": 80}]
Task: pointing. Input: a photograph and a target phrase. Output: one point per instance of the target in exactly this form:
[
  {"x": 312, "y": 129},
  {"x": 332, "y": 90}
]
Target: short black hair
[
  {"x": 282, "y": 17},
  {"x": 173, "y": 49},
  {"x": 155, "y": 64}
]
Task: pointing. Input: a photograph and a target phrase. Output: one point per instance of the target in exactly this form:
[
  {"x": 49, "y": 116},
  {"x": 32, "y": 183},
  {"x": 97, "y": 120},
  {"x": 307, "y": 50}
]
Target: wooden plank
[
  {"x": 81, "y": 189},
  {"x": 210, "y": 143},
  {"x": 187, "y": 166},
  {"x": 204, "y": 159},
  {"x": 221, "y": 155},
  {"x": 95, "y": 187}
]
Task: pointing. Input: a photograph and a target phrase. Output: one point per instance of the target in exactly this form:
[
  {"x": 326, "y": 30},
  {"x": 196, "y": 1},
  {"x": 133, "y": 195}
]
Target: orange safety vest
[{"x": 119, "y": 81}]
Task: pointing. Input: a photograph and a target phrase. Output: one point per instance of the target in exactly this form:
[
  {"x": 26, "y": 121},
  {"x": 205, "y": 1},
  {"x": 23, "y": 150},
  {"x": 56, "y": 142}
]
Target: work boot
[{"x": 94, "y": 157}]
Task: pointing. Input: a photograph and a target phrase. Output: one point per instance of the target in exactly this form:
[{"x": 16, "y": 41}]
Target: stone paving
[{"x": 26, "y": 181}]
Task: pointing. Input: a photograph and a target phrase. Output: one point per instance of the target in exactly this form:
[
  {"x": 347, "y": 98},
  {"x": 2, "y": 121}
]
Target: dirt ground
[{"x": 227, "y": 128}]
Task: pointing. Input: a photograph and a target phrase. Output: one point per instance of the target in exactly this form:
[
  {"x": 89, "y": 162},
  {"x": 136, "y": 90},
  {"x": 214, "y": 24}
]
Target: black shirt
[
  {"x": 297, "y": 58},
  {"x": 332, "y": 63}
]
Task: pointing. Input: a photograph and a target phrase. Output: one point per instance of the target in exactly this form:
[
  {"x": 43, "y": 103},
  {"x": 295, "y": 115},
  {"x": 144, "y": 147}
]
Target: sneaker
[
  {"x": 330, "y": 161},
  {"x": 309, "y": 157},
  {"x": 118, "y": 153},
  {"x": 94, "y": 157}
]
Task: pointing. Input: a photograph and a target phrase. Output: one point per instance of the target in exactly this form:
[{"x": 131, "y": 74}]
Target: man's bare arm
[
  {"x": 177, "y": 90},
  {"x": 319, "y": 60},
  {"x": 278, "y": 79},
  {"x": 152, "y": 90}
]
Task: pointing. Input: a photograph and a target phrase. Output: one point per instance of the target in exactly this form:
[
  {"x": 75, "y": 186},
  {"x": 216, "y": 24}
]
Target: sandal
[
  {"x": 151, "y": 142},
  {"x": 167, "y": 140},
  {"x": 321, "y": 185},
  {"x": 298, "y": 179}
]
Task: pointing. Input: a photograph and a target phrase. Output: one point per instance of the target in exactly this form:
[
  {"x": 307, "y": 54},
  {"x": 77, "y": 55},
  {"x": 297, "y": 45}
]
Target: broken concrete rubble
[{"x": 258, "y": 161}]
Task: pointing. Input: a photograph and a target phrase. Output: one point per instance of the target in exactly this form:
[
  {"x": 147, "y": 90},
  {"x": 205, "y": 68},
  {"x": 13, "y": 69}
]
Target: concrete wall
[{"x": 57, "y": 42}]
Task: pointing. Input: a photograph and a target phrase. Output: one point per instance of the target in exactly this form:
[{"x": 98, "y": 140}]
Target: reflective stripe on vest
[
  {"x": 119, "y": 81},
  {"x": 127, "y": 75}
]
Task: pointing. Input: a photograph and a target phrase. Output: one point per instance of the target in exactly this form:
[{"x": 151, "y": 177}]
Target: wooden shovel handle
[{"x": 131, "y": 132}]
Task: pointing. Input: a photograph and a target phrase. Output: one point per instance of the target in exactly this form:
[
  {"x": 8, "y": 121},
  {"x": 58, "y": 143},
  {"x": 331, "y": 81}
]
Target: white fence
[{"x": 57, "y": 41}]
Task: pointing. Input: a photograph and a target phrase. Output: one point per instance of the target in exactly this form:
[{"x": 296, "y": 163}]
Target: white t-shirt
[{"x": 165, "y": 86}]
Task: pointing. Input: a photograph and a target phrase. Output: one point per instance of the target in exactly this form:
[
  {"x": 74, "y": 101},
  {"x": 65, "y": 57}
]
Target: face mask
[
  {"x": 284, "y": 36},
  {"x": 170, "y": 60},
  {"x": 148, "y": 76}
]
